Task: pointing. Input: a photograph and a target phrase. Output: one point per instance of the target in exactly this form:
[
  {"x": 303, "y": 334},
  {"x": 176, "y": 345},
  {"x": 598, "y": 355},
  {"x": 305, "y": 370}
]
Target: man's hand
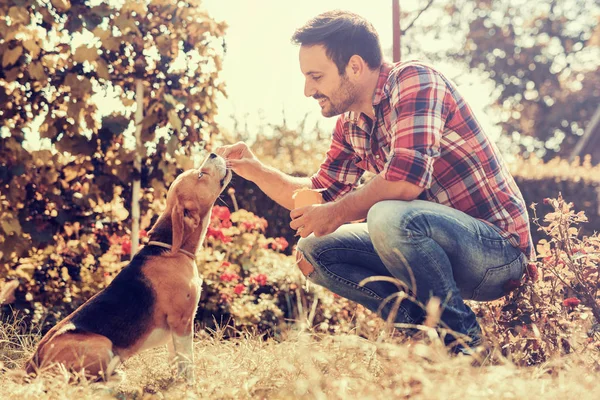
[
  {"x": 320, "y": 219},
  {"x": 241, "y": 159}
]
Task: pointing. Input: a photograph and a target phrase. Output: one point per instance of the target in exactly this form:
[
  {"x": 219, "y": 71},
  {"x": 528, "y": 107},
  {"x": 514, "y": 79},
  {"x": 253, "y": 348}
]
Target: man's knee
[
  {"x": 390, "y": 218},
  {"x": 303, "y": 264},
  {"x": 380, "y": 218},
  {"x": 304, "y": 247}
]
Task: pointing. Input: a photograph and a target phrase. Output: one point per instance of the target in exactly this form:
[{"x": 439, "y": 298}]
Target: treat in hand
[{"x": 307, "y": 197}]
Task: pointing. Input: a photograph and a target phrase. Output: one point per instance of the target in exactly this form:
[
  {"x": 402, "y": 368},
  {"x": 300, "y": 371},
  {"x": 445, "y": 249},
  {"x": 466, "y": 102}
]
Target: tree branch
[{"x": 417, "y": 17}]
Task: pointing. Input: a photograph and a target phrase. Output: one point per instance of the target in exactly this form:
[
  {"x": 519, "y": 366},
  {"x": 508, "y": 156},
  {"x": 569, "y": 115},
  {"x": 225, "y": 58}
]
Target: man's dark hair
[{"x": 343, "y": 34}]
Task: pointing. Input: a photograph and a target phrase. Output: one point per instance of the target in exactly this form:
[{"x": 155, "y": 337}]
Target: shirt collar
[
  {"x": 384, "y": 73},
  {"x": 381, "y": 91}
]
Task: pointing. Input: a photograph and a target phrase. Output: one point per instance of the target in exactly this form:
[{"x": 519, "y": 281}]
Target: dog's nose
[{"x": 212, "y": 155}]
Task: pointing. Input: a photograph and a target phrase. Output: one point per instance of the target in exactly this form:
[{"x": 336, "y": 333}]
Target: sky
[{"x": 261, "y": 67}]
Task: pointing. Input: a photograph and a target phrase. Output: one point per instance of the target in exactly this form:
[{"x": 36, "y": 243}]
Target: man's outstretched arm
[{"x": 276, "y": 184}]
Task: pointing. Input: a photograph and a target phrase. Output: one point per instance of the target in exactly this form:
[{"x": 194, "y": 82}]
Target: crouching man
[{"x": 443, "y": 214}]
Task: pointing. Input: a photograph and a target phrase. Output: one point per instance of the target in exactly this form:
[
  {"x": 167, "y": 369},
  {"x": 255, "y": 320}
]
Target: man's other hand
[{"x": 320, "y": 219}]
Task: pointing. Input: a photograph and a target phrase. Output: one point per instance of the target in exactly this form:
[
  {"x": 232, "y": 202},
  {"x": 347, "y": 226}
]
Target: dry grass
[{"x": 303, "y": 365}]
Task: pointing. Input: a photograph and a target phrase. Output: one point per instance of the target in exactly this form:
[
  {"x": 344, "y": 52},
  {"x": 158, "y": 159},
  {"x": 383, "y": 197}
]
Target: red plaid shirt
[{"x": 425, "y": 133}]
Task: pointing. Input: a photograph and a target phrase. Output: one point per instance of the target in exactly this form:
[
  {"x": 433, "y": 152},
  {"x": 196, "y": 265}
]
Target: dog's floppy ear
[
  {"x": 181, "y": 219},
  {"x": 178, "y": 226}
]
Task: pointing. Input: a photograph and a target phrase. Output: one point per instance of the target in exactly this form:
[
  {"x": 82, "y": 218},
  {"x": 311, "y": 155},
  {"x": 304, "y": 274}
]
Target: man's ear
[
  {"x": 355, "y": 66},
  {"x": 177, "y": 224}
]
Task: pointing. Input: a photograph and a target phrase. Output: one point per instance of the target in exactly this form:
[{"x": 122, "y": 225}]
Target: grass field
[{"x": 304, "y": 365}]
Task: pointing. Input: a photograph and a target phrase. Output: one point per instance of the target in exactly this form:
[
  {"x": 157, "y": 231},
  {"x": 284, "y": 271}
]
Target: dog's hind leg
[{"x": 89, "y": 353}]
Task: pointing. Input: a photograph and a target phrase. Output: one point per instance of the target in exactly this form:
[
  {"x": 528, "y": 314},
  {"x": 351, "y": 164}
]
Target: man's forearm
[
  {"x": 278, "y": 185},
  {"x": 355, "y": 205}
]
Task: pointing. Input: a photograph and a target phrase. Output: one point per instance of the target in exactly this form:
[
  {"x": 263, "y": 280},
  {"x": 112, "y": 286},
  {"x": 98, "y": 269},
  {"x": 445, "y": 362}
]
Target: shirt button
[{"x": 377, "y": 156}]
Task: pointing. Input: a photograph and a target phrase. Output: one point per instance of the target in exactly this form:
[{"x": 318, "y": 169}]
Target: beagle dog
[{"x": 153, "y": 300}]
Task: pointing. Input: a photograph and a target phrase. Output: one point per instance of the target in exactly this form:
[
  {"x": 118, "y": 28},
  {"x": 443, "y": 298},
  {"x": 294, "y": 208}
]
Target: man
[{"x": 443, "y": 214}]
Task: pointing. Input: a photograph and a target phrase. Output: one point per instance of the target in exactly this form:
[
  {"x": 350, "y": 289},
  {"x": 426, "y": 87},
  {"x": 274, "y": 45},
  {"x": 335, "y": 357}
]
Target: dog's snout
[{"x": 212, "y": 155}]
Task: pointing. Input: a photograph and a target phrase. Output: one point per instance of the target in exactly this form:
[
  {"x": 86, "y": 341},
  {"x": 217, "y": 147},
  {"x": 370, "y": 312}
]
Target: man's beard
[{"x": 345, "y": 97}]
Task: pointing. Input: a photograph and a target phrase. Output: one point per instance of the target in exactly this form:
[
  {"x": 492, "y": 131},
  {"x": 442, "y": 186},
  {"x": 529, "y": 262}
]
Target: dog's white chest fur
[{"x": 156, "y": 338}]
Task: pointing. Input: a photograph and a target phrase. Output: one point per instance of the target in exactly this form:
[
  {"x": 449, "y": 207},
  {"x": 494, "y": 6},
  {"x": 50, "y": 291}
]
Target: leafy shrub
[{"x": 556, "y": 308}]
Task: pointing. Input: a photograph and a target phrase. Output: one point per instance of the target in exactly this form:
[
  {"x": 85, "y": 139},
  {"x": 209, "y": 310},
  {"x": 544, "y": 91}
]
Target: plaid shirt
[{"x": 425, "y": 133}]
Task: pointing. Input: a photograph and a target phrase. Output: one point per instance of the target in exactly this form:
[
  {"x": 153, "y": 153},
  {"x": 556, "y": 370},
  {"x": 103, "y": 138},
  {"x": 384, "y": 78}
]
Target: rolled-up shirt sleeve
[
  {"x": 338, "y": 174},
  {"x": 418, "y": 115}
]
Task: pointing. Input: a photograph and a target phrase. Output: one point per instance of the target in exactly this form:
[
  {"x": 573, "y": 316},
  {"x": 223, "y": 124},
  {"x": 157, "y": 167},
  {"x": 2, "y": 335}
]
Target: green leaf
[
  {"x": 19, "y": 15},
  {"x": 32, "y": 47},
  {"x": 76, "y": 144},
  {"x": 84, "y": 53},
  {"x": 174, "y": 120},
  {"x": 172, "y": 144},
  {"x": 11, "y": 56},
  {"x": 61, "y": 5},
  {"x": 10, "y": 225},
  {"x": 36, "y": 71}
]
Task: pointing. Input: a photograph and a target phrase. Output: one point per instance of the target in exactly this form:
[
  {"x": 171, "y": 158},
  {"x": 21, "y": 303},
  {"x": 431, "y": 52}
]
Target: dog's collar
[{"x": 168, "y": 246}]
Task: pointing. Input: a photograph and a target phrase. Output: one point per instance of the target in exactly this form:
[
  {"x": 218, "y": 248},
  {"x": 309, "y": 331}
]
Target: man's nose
[{"x": 308, "y": 89}]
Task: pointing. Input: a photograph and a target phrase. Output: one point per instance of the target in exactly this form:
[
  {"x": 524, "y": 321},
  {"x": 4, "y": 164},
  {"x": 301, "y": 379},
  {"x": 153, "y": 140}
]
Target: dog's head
[{"x": 192, "y": 195}]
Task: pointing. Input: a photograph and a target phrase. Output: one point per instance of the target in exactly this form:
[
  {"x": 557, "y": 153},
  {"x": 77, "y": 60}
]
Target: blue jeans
[{"x": 452, "y": 256}]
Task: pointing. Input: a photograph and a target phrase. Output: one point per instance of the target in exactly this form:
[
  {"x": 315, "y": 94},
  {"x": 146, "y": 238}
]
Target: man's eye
[
  {"x": 316, "y": 78},
  {"x": 200, "y": 175}
]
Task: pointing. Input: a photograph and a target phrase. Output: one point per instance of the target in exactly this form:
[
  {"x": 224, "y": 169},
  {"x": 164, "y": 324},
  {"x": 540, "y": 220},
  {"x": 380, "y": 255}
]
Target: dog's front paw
[{"x": 186, "y": 371}]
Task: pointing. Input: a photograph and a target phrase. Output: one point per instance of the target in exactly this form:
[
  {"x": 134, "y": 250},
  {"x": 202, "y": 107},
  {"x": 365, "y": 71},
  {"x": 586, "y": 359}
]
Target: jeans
[{"x": 452, "y": 256}]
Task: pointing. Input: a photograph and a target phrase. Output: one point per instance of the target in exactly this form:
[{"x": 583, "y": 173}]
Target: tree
[
  {"x": 56, "y": 56},
  {"x": 542, "y": 57}
]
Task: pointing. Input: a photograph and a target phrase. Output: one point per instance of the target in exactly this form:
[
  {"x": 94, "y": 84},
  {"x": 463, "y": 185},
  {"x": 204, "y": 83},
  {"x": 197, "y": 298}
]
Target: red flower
[
  {"x": 571, "y": 302},
  {"x": 228, "y": 277},
  {"x": 280, "y": 244},
  {"x": 225, "y": 264},
  {"x": 239, "y": 288},
  {"x": 126, "y": 246},
  {"x": 260, "y": 279},
  {"x": 256, "y": 224},
  {"x": 143, "y": 233},
  {"x": 511, "y": 285},
  {"x": 218, "y": 234},
  {"x": 222, "y": 213},
  {"x": 532, "y": 272},
  {"x": 546, "y": 201}
]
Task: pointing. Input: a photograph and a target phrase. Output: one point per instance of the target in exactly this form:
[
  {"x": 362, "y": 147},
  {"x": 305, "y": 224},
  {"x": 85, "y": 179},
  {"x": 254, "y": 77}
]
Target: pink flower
[
  {"x": 280, "y": 244},
  {"x": 228, "y": 277},
  {"x": 260, "y": 279},
  {"x": 256, "y": 224},
  {"x": 532, "y": 272},
  {"x": 218, "y": 234},
  {"x": 239, "y": 288},
  {"x": 222, "y": 213},
  {"x": 225, "y": 264},
  {"x": 126, "y": 246}
]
